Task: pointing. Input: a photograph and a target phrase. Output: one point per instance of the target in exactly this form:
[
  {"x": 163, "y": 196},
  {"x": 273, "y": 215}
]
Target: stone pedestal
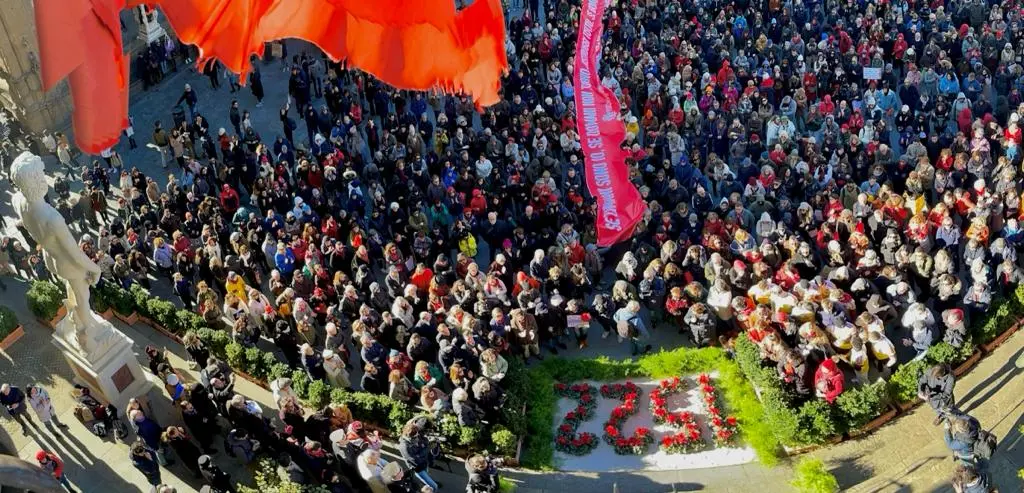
[
  {"x": 150, "y": 29},
  {"x": 116, "y": 374}
]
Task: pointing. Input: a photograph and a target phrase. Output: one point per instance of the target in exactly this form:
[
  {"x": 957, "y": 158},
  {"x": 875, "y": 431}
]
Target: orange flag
[{"x": 410, "y": 44}]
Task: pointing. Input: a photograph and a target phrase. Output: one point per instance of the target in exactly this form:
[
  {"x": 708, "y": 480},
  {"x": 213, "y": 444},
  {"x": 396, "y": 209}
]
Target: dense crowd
[{"x": 842, "y": 218}]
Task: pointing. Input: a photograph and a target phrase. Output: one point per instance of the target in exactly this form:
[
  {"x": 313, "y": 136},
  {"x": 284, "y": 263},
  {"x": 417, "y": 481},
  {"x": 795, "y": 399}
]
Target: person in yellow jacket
[
  {"x": 235, "y": 285},
  {"x": 467, "y": 244}
]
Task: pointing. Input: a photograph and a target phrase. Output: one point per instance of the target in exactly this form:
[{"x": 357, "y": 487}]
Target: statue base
[
  {"x": 116, "y": 374},
  {"x": 151, "y": 31}
]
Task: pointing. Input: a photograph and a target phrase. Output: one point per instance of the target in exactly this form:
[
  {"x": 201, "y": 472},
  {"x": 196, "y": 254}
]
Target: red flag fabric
[
  {"x": 619, "y": 205},
  {"x": 409, "y": 44}
]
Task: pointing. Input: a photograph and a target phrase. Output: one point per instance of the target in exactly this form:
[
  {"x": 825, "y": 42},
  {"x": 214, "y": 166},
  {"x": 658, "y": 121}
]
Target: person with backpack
[{"x": 970, "y": 444}]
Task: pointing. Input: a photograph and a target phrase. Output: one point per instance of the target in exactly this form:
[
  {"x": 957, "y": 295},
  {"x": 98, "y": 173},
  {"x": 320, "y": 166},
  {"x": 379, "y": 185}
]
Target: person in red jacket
[
  {"x": 52, "y": 464},
  {"x": 229, "y": 200},
  {"x": 828, "y": 380}
]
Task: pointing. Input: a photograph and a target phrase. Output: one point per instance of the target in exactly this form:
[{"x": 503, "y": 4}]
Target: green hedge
[
  {"x": 740, "y": 399},
  {"x": 45, "y": 299},
  {"x": 8, "y": 321},
  {"x": 114, "y": 296}
]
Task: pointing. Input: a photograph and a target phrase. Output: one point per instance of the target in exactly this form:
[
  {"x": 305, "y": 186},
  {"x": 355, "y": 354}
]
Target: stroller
[{"x": 98, "y": 417}]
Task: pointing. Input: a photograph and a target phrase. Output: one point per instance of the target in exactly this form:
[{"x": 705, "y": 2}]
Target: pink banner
[{"x": 619, "y": 206}]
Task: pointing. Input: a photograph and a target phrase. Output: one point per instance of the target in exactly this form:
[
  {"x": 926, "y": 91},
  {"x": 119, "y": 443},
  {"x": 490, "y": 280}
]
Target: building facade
[{"x": 21, "y": 86}]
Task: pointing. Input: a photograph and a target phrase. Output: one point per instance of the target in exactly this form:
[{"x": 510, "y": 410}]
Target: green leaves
[
  {"x": 812, "y": 477},
  {"x": 45, "y": 299}
]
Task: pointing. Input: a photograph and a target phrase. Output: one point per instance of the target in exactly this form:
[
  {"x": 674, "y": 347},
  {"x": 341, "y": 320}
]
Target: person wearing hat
[
  {"x": 334, "y": 368},
  {"x": 52, "y": 464},
  {"x": 214, "y": 476}
]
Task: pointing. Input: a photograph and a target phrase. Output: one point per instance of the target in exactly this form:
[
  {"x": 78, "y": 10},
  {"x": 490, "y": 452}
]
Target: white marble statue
[{"x": 91, "y": 335}]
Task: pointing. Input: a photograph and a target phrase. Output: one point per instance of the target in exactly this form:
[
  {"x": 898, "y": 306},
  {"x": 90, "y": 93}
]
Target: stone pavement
[{"x": 909, "y": 455}]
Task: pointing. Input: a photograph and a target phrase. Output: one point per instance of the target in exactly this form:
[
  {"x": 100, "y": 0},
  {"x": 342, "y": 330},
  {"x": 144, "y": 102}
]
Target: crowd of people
[{"x": 843, "y": 218}]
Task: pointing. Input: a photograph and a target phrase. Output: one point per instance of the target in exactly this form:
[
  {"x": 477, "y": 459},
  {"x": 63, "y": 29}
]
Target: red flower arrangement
[
  {"x": 722, "y": 428},
  {"x": 566, "y": 438},
  {"x": 641, "y": 438},
  {"x": 688, "y": 438}
]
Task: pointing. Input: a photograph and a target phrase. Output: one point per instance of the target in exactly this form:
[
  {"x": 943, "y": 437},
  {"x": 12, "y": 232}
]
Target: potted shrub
[
  {"x": 119, "y": 300},
  {"x": 810, "y": 476},
  {"x": 10, "y": 329},
  {"x": 505, "y": 442},
  {"x": 140, "y": 298},
  {"x": 46, "y": 302},
  {"x": 903, "y": 384},
  {"x": 100, "y": 305},
  {"x": 163, "y": 317},
  {"x": 864, "y": 409}
]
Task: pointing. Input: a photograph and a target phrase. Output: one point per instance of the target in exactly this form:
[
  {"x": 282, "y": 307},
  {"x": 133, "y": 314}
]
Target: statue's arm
[{"x": 70, "y": 248}]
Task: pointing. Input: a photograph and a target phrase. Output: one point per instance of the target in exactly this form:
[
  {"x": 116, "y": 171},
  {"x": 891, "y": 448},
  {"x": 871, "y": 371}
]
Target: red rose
[
  {"x": 666, "y": 441},
  {"x": 621, "y": 442},
  {"x": 716, "y": 421},
  {"x": 731, "y": 420},
  {"x": 565, "y": 428},
  {"x": 703, "y": 378},
  {"x": 611, "y": 431}
]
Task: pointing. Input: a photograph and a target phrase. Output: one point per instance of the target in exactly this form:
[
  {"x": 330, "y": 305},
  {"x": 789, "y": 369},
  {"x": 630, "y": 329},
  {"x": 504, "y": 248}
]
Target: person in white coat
[{"x": 39, "y": 399}]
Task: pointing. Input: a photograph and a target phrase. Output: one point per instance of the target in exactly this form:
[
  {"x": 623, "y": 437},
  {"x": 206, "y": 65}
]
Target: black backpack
[{"x": 986, "y": 444}]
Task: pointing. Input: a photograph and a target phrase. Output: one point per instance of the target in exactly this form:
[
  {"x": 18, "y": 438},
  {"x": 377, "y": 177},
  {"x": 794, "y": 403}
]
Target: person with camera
[
  {"x": 483, "y": 475},
  {"x": 397, "y": 481},
  {"x": 415, "y": 449}
]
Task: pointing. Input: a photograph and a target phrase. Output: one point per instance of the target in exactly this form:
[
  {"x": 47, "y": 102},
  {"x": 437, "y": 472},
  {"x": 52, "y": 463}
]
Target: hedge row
[
  {"x": 379, "y": 411},
  {"x": 739, "y": 395},
  {"x": 815, "y": 422}
]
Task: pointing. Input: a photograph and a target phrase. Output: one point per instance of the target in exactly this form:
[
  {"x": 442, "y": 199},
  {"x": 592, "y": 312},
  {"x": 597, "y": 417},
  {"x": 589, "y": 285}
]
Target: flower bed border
[
  {"x": 737, "y": 394},
  {"x": 52, "y": 323},
  {"x": 13, "y": 337}
]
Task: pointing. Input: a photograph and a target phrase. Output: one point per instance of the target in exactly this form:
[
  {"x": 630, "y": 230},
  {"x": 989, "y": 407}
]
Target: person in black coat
[
  {"x": 214, "y": 476},
  {"x": 936, "y": 387},
  {"x": 202, "y": 426},
  {"x": 176, "y": 438},
  {"x": 372, "y": 380}
]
